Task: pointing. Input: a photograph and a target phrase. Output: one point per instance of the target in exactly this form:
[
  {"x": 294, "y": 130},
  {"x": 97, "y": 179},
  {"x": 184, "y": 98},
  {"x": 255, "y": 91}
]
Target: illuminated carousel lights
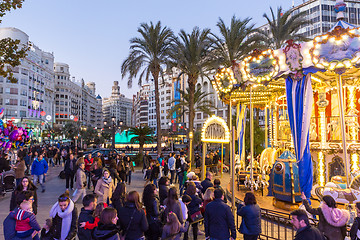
[
  {"x": 218, "y": 120},
  {"x": 219, "y": 78}
]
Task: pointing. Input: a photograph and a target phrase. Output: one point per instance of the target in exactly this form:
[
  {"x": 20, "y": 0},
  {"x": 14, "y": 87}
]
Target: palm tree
[
  {"x": 189, "y": 55},
  {"x": 148, "y": 54},
  {"x": 283, "y": 27},
  {"x": 201, "y": 103},
  {"x": 234, "y": 43},
  {"x": 143, "y": 135}
]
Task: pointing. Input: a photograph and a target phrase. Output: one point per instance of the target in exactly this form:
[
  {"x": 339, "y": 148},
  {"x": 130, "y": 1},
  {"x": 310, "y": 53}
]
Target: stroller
[{"x": 7, "y": 182}]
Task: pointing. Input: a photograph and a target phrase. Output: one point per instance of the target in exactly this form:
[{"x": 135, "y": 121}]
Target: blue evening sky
[{"x": 93, "y": 36}]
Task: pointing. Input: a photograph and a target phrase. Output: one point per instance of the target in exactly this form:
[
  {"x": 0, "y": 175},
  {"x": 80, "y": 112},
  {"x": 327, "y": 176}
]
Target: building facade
[
  {"x": 117, "y": 105},
  {"x": 30, "y": 100},
  {"x": 140, "y": 111}
]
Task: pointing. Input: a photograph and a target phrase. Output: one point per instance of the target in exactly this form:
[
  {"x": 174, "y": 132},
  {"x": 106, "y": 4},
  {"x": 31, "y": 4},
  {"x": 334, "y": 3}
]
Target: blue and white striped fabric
[
  {"x": 240, "y": 126},
  {"x": 299, "y": 96},
  {"x": 342, "y": 24}
]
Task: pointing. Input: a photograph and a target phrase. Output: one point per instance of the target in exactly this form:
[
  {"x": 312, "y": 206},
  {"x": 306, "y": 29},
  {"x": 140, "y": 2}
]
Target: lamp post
[{"x": 113, "y": 119}]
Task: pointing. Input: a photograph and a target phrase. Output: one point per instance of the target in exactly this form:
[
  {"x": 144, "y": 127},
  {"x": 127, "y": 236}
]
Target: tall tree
[
  {"x": 143, "y": 136},
  {"x": 283, "y": 26},
  {"x": 148, "y": 53},
  {"x": 11, "y": 51},
  {"x": 190, "y": 56},
  {"x": 233, "y": 44},
  {"x": 201, "y": 103},
  {"x": 71, "y": 130}
]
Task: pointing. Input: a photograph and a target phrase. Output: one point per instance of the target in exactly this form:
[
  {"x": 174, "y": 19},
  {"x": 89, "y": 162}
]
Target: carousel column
[
  {"x": 271, "y": 126},
  {"x": 342, "y": 124},
  {"x": 275, "y": 125},
  {"x": 266, "y": 127},
  {"x": 353, "y": 125},
  {"x": 203, "y": 167},
  {"x": 322, "y": 104}
]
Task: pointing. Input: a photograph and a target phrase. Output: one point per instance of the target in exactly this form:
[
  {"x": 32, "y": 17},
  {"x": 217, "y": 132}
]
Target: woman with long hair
[
  {"x": 107, "y": 229},
  {"x": 64, "y": 218},
  {"x": 173, "y": 229},
  {"x": 105, "y": 187},
  {"x": 25, "y": 185},
  {"x": 173, "y": 205},
  {"x": 118, "y": 197},
  {"x": 208, "y": 197},
  {"x": 151, "y": 204},
  {"x": 163, "y": 189},
  {"x": 96, "y": 171},
  {"x": 251, "y": 217},
  {"x": 132, "y": 221},
  {"x": 193, "y": 207},
  {"x": 332, "y": 220}
]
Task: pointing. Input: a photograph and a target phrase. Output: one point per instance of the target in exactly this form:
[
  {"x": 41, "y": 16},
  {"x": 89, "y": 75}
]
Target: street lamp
[{"x": 113, "y": 119}]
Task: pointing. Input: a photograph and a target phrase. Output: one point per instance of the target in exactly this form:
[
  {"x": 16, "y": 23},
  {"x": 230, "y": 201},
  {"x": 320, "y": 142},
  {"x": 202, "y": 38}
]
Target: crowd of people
[{"x": 164, "y": 211}]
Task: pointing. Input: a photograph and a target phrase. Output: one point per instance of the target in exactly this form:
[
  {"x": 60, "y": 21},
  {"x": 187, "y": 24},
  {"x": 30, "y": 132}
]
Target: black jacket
[
  {"x": 16, "y": 192},
  {"x": 194, "y": 205},
  {"x": 251, "y": 219},
  {"x": 85, "y": 216},
  {"x": 219, "y": 221},
  {"x": 206, "y": 184},
  {"x": 67, "y": 167},
  {"x": 138, "y": 225},
  {"x": 163, "y": 192},
  {"x": 106, "y": 232},
  {"x": 354, "y": 228},
  {"x": 57, "y": 222},
  {"x": 308, "y": 233}
]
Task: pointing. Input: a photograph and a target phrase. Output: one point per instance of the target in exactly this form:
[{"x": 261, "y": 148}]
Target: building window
[{"x": 198, "y": 115}]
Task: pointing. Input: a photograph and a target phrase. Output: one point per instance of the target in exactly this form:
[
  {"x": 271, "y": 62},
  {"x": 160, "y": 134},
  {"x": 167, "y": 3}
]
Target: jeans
[
  {"x": 88, "y": 175},
  {"x": 51, "y": 161},
  {"x": 41, "y": 180},
  {"x": 78, "y": 193},
  {"x": 172, "y": 175},
  {"x": 128, "y": 177},
  {"x": 69, "y": 179},
  {"x": 195, "y": 229}
]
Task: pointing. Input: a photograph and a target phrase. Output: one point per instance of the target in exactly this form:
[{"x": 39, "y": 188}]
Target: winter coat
[
  {"x": 167, "y": 234},
  {"x": 138, "y": 225},
  {"x": 354, "y": 228},
  {"x": 39, "y": 167},
  {"x": 104, "y": 190},
  {"x": 219, "y": 221},
  {"x": 194, "y": 205},
  {"x": 251, "y": 219},
  {"x": 80, "y": 179},
  {"x": 332, "y": 221},
  {"x": 163, "y": 192},
  {"x": 57, "y": 223},
  {"x": 175, "y": 208},
  {"x": 9, "y": 228},
  {"x": 16, "y": 192},
  {"x": 106, "y": 232},
  {"x": 309, "y": 233},
  {"x": 85, "y": 216},
  {"x": 22, "y": 215},
  {"x": 70, "y": 166},
  {"x": 206, "y": 184},
  {"x": 46, "y": 235},
  {"x": 20, "y": 169}
]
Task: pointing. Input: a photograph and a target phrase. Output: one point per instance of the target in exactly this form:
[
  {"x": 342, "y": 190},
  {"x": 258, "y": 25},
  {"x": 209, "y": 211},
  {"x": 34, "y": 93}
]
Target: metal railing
[{"x": 275, "y": 225}]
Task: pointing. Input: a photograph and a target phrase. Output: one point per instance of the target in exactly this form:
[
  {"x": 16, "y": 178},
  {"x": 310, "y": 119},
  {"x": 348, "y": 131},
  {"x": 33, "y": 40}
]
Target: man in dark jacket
[
  {"x": 207, "y": 182},
  {"x": 218, "y": 220},
  {"x": 304, "y": 231},
  {"x": 86, "y": 215}
]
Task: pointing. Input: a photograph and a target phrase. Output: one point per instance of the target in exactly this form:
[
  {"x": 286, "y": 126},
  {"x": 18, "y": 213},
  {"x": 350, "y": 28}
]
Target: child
[
  {"x": 26, "y": 224},
  {"x": 45, "y": 232},
  {"x": 98, "y": 210},
  {"x": 173, "y": 229}
]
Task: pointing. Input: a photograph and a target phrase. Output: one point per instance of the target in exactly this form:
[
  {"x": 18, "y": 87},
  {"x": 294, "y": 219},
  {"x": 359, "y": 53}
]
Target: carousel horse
[{"x": 346, "y": 196}]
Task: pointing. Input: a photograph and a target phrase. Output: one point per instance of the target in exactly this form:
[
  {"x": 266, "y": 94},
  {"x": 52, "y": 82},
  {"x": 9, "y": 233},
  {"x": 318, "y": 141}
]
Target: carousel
[{"x": 310, "y": 95}]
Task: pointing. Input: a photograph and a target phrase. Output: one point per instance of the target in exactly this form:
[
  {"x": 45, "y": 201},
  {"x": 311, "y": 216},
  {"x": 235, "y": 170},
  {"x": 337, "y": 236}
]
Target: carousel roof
[{"x": 342, "y": 24}]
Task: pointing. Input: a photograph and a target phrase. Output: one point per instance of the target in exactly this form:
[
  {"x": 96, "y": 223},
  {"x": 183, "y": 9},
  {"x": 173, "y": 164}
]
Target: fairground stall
[{"x": 310, "y": 94}]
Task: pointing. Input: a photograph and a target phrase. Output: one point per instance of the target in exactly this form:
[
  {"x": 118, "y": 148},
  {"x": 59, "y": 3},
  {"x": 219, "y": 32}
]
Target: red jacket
[{"x": 88, "y": 163}]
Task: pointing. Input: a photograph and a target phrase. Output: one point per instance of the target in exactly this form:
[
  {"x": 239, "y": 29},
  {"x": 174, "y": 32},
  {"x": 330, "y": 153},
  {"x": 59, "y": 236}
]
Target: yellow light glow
[
  {"x": 321, "y": 168},
  {"x": 220, "y": 121},
  {"x": 354, "y": 162}
]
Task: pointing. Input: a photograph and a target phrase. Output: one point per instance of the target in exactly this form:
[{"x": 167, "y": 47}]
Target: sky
[{"x": 93, "y": 36}]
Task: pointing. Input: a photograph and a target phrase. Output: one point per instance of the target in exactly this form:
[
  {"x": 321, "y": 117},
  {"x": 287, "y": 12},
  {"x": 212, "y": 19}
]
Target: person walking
[
  {"x": 64, "y": 218},
  {"x": 251, "y": 217},
  {"x": 86, "y": 215},
  {"x": 19, "y": 169},
  {"x": 88, "y": 163},
  {"x": 132, "y": 221},
  {"x": 171, "y": 165},
  {"x": 146, "y": 161},
  {"x": 25, "y": 185},
  {"x": 304, "y": 231},
  {"x": 105, "y": 187},
  {"x": 39, "y": 169},
  {"x": 69, "y": 169},
  {"x": 218, "y": 220},
  {"x": 332, "y": 220},
  {"x": 80, "y": 182}
]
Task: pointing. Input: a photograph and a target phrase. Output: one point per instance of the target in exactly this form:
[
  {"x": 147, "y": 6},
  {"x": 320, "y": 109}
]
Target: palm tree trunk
[
  {"x": 141, "y": 151},
  {"x": 157, "y": 105},
  {"x": 191, "y": 116}
]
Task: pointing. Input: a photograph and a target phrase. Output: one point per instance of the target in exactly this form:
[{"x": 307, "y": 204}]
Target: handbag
[
  {"x": 123, "y": 235},
  {"x": 196, "y": 216}
]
